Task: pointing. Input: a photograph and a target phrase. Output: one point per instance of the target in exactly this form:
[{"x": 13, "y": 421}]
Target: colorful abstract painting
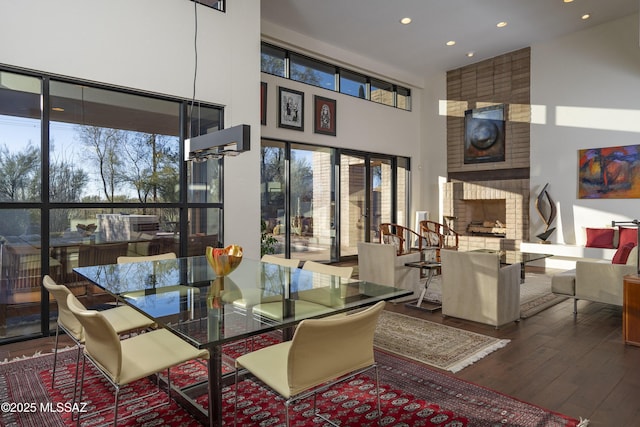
[{"x": 609, "y": 173}]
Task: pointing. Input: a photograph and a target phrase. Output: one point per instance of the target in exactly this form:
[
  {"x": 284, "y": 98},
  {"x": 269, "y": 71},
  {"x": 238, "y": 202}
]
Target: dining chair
[
  {"x": 403, "y": 238},
  {"x": 322, "y": 353},
  {"x": 122, "y": 362},
  {"x": 334, "y": 270},
  {"x": 127, "y": 259},
  {"x": 285, "y": 262},
  {"x": 122, "y": 318}
]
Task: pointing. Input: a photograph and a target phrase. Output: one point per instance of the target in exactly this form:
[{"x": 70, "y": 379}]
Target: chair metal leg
[
  {"x": 235, "y": 404},
  {"x": 80, "y": 393},
  {"x": 76, "y": 379},
  {"x": 55, "y": 359},
  {"x": 286, "y": 414},
  {"x": 379, "y": 409},
  {"x": 115, "y": 407}
]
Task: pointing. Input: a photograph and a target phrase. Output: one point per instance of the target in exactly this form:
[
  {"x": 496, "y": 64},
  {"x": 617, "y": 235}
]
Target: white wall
[
  {"x": 585, "y": 89},
  {"x": 433, "y": 165},
  {"x": 148, "y": 45}
]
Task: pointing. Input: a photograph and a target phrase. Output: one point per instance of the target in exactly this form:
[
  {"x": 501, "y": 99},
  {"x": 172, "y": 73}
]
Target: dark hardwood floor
[{"x": 578, "y": 366}]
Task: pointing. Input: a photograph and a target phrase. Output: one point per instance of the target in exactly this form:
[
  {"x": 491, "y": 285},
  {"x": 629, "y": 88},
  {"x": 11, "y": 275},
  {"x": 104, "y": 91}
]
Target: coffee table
[{"x": 508, "y": 257}]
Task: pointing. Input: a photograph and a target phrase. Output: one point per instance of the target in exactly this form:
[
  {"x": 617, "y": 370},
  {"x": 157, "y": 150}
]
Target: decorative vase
[{"x": 223, "y": 261}]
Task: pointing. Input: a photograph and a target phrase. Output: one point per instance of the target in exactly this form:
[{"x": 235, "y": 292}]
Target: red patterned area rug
[{"x": 412, "y": 394}]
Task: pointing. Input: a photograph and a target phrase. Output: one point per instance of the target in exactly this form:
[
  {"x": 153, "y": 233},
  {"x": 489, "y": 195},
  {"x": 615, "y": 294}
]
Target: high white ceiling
[{"x": 371, "y": 28}]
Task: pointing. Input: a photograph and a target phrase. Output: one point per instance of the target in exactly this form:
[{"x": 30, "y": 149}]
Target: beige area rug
[
  {"x": 441, "y": 346},
  {"x": 535, "y": 293}
]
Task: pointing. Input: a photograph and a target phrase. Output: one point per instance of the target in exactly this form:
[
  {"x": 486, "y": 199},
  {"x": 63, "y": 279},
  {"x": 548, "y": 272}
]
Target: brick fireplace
[
  {"x": 503, "y": 203},
  {"x": 492, "y": 192}
]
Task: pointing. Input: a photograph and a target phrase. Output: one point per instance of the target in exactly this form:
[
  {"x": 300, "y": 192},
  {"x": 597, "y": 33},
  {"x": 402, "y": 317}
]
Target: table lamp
[{"x": 636, "y": 224}]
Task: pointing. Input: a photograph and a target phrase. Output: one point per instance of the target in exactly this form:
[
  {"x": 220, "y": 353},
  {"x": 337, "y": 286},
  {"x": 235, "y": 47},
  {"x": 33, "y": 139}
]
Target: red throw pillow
[
  {"x": 622, "y": 254},
  {"x": 628, "y": 235},
  {"x": 600, "y": 238}
]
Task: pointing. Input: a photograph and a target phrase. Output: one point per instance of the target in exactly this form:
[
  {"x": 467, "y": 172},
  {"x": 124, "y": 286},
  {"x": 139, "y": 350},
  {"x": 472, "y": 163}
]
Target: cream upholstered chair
[
  {"x": 126, "y": 259},
  {"x": 380, "y": 263},
  {"x": 322, "y": 352},
  {"x": 475, "y": 287},
  {"x": 124, "y": 361},
  {"x": 285, "y": 262},
  {"x": 334, "y": 270},
  {"x": 122, "y": 319},
  {"x": 309, "y": 301}
]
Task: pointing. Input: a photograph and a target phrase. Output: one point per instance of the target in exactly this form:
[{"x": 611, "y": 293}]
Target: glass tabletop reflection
[{"x": 185, "y": 295}]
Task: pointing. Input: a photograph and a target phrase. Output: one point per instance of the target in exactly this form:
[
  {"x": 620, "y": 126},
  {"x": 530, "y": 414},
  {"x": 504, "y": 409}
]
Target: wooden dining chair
[
  {"x": 122, "y": 362},
  {"x": 405, "y": 239},
  {"x": 322, "y": 353}
]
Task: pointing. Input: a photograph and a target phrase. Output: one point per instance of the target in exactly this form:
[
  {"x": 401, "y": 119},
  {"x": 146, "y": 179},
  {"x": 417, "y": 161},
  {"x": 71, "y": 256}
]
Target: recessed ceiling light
[
  {"x": 405, "y": 21},
  {"x": 470, "y": 54},
  {"x": 60, "y": 109},
  {"x": 568, "y": 1},
  {"x": 501, "y": 24},
  {"x": 586, "y": 16},
  {"x": 451, "y": 42}
]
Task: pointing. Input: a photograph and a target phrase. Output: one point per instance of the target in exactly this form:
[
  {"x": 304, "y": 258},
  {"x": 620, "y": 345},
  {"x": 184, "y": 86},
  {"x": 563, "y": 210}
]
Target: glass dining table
[{"x": 185, "y": 296}]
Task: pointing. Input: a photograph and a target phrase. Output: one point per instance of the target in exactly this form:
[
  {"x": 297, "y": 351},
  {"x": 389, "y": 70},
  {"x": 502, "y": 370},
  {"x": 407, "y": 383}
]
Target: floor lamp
[{"x": 636, "y": 224}]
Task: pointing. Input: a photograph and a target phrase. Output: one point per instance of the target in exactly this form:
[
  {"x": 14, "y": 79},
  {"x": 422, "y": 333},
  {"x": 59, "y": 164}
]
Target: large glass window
[
  {"x": 312, "y": 72},
  {"x": 403, "y": 98},
  {"x": 312, "y": 203},
  {"x": 381, "y": 194},
  {"x": 20, "y": 135},
  {"x": 382, "y": 92},
  {"x": 284, "y": 63},
  {"x": 20, "y": 271},
  {"x": 353, "y": 84},
  {"x": 402, "y": 192},
  {"x": 272, "y": 196},
  {"x": 272, "y": 60},
  {"x": 114, "y": 180},
  {"x": 112, "y": 147}
]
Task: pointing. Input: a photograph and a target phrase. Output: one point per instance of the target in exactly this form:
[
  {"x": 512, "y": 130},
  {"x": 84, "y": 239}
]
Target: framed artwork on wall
[
  {"x": 263, "y": 103},
  {"x": 324, "y": 115},
  {"x": 291, "y": 109},
  {"x": 609, "y": 173},
  {"x": 484, "y": 135}
]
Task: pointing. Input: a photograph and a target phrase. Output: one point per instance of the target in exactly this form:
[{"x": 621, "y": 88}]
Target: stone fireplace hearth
[{"x": 488, "y": 214}]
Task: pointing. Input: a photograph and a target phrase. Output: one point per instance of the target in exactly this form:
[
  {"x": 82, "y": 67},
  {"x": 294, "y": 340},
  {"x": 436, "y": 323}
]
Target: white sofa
[
  {"x": 475, "y": 287},
  {"x": 599, "y": 281},
  {"x": 378, "y": 263}
]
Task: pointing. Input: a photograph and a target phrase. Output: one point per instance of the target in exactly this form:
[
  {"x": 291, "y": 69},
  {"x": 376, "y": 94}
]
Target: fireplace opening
[{"x": 486, "y": 217}]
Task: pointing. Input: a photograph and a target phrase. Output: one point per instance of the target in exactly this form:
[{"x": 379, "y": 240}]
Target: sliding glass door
[
  {"x": 315, "y": 207},
  {"x": 366, "y": 199}
]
